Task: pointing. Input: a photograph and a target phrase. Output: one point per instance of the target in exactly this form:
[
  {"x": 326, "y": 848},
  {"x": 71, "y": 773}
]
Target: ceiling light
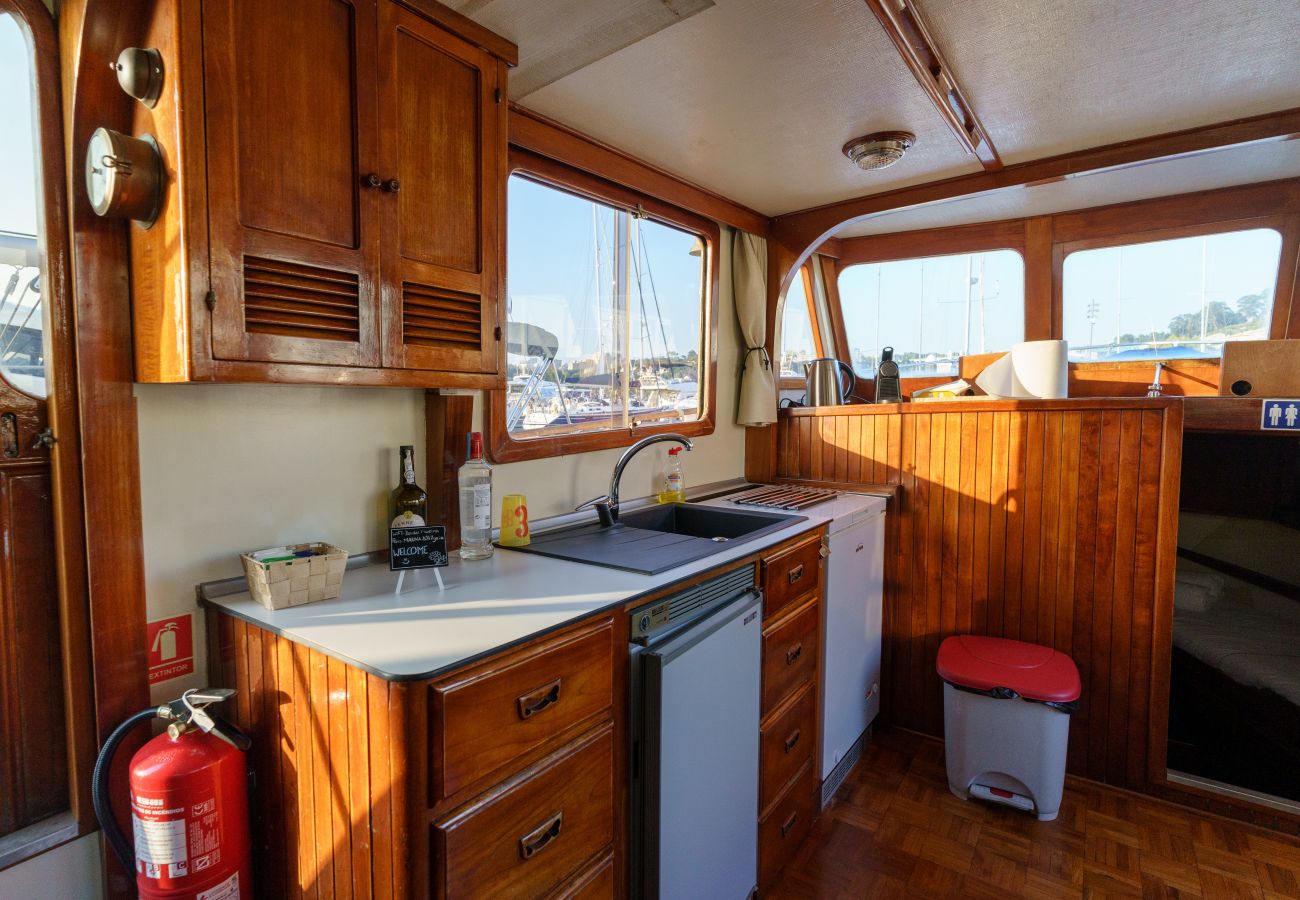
[{"x": 879, "y": 150}]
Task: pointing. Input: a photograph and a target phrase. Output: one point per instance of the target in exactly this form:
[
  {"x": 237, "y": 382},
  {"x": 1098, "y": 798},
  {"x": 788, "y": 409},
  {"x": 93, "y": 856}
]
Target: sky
[
  {"x": 1140, "y": 288},
  {"x": 17, "y": 162},
  {"x": 551, "y": 278}
]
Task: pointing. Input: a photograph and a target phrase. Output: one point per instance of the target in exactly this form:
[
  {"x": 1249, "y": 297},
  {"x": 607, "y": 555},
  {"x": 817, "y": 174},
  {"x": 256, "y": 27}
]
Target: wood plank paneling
[
  {"x": 1038, "y": 521},
  {"x": 328, "y": 824}
]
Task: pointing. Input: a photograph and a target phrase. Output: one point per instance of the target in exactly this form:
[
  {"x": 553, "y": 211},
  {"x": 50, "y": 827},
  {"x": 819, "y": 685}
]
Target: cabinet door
[
  {"x": 291, "y": 128},
  {"x": 442, "y": 138}
]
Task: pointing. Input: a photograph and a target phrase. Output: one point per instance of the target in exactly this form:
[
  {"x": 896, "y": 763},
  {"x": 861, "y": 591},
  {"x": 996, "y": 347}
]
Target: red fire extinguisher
[{"x": 189, "y": 803}]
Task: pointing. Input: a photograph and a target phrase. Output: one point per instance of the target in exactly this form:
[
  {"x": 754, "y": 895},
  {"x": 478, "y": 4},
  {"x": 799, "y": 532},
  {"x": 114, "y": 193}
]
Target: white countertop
[{"x": 487, "y": 605}]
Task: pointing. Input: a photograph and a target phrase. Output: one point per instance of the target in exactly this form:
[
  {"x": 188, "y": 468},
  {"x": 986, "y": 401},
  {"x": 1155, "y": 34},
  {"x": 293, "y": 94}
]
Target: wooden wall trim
[
  {"x": 906, "y": 27},
  {"x": 465, "y": 27},
  {"x": 1200, "y": 208},
  {"x": 1041, "y": 314},
  {"x": 1009, "y": 234},
  {"x": 546, "y": 137},
  {"x": 941, "y": 406},
  {"x": 801, "y": 231},
  {"x": 447, "y": 419},
  {"x": 1286, "y": 293},
  {"x": 1045, "y": 241},
  {"x": 92, "y": 31}
]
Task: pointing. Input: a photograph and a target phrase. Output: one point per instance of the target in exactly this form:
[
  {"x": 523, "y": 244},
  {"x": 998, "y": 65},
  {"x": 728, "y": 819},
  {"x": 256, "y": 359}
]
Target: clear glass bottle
[{"x": 475, "y": 478}]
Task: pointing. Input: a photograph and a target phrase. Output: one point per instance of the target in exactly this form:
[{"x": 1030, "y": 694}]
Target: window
[
  {"x": 933, "y": 310},
  {"x": 22, "y": 345},
  {"x": 608, "y": 315},
  {"x": 798, "y": 338},
  {"x": 1174, "y": 299}
]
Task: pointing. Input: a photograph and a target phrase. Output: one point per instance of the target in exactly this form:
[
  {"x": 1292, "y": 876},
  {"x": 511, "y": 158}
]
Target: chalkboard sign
[{"x": 422, "y": 547}]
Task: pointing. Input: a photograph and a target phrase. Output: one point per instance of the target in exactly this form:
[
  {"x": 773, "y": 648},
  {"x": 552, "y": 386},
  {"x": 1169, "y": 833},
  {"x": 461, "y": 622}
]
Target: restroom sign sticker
[
  {"x": 171, "y": 648},
  {"x": 1280, "y": 415}
]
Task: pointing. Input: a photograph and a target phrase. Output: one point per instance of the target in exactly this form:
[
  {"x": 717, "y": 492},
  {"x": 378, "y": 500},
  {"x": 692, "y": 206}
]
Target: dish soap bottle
[
  {"x": 475, "y": 478},
  {"x": 674, "y": 486}
]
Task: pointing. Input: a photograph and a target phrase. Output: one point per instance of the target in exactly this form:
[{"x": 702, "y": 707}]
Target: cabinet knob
[
  {"x": 371, "y": 180},
  {"x": 392, "y": 185}
]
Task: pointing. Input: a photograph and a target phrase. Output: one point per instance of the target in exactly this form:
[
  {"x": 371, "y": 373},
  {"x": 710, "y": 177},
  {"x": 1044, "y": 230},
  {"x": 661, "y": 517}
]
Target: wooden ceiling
[{"x": 754, "y": 98}]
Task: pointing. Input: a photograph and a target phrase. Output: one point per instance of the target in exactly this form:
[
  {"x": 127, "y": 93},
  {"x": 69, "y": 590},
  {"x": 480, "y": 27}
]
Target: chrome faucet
[{"x": 607, "y": 504}]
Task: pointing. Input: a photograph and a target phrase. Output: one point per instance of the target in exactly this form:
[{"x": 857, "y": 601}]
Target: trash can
[{"x": 1006, "y": 719}]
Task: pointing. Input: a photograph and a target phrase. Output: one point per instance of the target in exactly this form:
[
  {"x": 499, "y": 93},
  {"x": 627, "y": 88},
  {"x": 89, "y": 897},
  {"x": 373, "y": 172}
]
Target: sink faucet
[{"x": 607, "y": 505}]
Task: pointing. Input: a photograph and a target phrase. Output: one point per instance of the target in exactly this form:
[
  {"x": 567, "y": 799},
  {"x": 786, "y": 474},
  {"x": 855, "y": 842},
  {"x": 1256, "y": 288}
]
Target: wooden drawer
[
  {"x": 785, "y": 744},
  {"x": 483, "y": 723},
  {"x": 528, "y": 840},
  {"x": 596, "y": 882},
  {"x": 783, "y": 829},
  {"x": 790, "y": 575},
  {"x": 789, "y": 656}
]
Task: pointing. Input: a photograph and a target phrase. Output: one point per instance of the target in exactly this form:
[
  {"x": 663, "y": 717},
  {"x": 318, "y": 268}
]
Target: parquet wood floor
[{"x": 894, "y": 830}]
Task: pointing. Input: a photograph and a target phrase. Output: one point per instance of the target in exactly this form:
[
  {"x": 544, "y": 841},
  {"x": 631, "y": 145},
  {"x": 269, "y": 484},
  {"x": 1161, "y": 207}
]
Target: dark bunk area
[{"x": 1235, "y": 682}]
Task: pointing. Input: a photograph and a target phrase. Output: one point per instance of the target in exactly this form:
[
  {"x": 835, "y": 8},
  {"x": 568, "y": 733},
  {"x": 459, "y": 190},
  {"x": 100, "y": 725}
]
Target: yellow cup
[{"x": 514, "y": 520}]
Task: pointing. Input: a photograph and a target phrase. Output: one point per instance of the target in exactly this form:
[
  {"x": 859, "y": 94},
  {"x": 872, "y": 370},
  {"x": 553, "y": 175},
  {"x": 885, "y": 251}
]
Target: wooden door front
[
  {"x": 291, "y": 131},
  {"x": 442, "y": 133},
  {"x": 33, "y": 764}
]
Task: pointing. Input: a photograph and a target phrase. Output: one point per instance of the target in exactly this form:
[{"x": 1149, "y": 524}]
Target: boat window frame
[
  {"x": 561, "y": 176},
  {"x": 935, "y": 243},
  {"x": 1280, "y": 313}
]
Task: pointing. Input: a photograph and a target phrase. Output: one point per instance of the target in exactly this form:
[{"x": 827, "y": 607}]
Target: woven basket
[{"x": 293, "y": 582}]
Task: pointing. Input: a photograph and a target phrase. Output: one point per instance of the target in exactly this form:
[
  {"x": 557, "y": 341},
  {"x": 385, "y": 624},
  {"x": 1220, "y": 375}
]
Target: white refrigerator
[{"x": 854, "y": 598}]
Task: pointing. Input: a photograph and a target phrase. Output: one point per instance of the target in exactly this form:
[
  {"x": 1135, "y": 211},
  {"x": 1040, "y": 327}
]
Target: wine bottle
[
  {"x": 409, "y": 505},
  {"x": 475, "y": 478}
]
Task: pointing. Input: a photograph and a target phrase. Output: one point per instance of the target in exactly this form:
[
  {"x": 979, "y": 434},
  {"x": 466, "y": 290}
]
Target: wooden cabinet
[
  {"x": 790, "y": 737},
  {"x": 442, "y": 137},
  {"x": 335, "y": 199},
  {"x": 506, "y": 778},
  {"x": 291, "y": 125}
]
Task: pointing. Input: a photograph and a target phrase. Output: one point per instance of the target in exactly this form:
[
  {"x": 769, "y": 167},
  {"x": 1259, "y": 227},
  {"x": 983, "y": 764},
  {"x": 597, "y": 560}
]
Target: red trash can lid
[{"x": 1032, "y": 671}]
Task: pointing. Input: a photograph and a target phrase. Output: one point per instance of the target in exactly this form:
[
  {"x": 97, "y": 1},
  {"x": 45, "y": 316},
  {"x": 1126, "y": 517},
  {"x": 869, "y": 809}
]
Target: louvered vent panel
[
  {"x": 433, "y": 317},
  {"x": 300, "y": 301}
]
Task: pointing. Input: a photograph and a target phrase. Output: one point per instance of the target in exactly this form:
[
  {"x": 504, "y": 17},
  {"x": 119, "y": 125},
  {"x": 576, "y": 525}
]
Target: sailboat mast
[{"x": 622, "y": 302}]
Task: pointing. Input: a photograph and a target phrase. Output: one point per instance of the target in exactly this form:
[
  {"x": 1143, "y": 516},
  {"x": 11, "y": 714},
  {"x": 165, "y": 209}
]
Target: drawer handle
[
  {"x": 796, "y": 573},
  {"x": 792, "y": 740},
  {"x": 789, "y": 823},
  {"x": 540, "y": 838},
  {"x": 538, "y": 700},
  {"x": 793, "y": 654}
]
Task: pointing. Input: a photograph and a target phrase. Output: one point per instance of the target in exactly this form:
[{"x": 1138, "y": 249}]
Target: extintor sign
[{"x": 171, "y": 648}]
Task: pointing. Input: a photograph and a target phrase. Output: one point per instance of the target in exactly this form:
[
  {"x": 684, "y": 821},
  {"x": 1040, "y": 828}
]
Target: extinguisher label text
[
  {"x": 159, "y": 842},
  {"x": 227, "y": 890}
]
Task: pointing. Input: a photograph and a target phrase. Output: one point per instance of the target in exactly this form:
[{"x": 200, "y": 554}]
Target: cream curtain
[{"x": 749, "y": 286}]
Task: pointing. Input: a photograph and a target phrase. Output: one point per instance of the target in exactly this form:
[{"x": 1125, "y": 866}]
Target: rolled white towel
[{"x": 1192, "y": 598}]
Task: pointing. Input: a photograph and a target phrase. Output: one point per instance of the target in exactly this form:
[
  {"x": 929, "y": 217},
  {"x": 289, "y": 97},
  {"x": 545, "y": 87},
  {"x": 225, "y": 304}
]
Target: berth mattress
[{"x": 1255, "y": 649}]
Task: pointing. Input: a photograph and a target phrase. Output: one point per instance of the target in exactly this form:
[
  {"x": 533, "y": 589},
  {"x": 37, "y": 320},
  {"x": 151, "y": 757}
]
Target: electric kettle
[{"x": 828, "y": 382}]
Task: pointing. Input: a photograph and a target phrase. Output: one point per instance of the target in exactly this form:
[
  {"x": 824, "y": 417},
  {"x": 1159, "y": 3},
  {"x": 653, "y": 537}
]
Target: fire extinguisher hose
[{"x": 99, "y": 789}]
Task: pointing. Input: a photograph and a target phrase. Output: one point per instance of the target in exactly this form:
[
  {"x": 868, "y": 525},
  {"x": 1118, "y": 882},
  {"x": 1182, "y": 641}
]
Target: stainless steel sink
[{"x": 658, "y": 538}]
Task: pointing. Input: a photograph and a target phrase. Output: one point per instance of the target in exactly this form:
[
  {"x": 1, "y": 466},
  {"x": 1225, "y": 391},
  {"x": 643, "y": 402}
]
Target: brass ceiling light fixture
[{"x": 879, "y": 150}]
